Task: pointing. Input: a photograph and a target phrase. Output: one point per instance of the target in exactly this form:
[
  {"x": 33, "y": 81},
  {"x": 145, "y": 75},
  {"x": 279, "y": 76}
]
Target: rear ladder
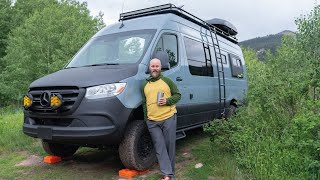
[{"x": 220, "y": 68}]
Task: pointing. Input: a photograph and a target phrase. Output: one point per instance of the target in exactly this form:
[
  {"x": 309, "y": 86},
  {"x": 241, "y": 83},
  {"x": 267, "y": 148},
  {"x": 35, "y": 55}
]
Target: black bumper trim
[{"x": 72, "y": 134}]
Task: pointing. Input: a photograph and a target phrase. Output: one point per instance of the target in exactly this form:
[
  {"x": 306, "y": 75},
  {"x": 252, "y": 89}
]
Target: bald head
[
  {"x": 155, "y": 61},
  {"x": 155, "y": 67}
]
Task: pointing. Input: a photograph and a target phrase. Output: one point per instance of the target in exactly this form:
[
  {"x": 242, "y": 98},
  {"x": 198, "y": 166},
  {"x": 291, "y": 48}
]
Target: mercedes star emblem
[{"x": 45, "y": 99}]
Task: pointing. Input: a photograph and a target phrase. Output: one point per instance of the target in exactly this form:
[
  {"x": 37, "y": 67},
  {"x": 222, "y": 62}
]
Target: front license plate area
[{"x": 45, "y": 133}]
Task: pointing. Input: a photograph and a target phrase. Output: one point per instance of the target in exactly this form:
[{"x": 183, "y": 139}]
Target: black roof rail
[{"x": 170, "y": 8}]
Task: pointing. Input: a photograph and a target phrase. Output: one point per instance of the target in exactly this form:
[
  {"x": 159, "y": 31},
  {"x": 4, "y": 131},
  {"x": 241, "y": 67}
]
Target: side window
[
  {"x": 236, "y": 66},
  {"x": 169, "y": 44},
  {"x": 196, "y": 54},
  {"x": 224, "y": 59}
]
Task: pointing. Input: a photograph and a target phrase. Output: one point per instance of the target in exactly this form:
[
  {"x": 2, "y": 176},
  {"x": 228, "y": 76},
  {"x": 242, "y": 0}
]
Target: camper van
[{"x": 95, "y": 101}]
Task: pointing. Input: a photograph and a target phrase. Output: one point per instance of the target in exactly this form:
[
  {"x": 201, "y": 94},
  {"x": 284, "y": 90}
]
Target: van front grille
[{"x": 70, "y": 96}]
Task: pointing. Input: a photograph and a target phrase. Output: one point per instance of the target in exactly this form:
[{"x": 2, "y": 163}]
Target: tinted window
[
  {"x": 169, "y": 44},
  {"x": 236, "y": 62},
  {"x": 198, "y": 65},
  {"x": 236, "y": 66},
  {"x": 224, "y": 59}
]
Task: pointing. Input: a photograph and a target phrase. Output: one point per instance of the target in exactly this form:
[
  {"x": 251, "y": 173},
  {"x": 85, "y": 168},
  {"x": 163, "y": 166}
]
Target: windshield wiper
[
  {"x": 70, "y": 67},
  {"x": 89, "y": 65},
  {"x": 102, "y": 64}
]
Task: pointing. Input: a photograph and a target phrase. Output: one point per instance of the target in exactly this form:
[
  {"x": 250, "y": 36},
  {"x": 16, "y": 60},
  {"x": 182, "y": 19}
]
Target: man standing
[{"x": 160, "y": 116}]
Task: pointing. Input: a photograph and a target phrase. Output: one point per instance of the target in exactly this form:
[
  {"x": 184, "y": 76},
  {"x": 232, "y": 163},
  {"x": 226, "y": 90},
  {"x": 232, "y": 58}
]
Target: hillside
[{"x": 269, "y": 42}]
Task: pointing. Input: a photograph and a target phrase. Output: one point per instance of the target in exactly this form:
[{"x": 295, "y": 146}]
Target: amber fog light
[
  {"x": 55, "y": 101},
  {"x": 27, "y": 101}
]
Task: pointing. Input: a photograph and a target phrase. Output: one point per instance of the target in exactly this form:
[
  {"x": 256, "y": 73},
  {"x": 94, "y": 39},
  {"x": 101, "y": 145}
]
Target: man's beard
[{"x": 155, "y": 74}]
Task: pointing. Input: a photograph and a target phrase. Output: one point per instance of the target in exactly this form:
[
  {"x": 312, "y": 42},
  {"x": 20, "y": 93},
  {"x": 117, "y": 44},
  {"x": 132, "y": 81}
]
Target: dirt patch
[
  {"x": 90, "y": 163},
  {"x": 32, "y": 160}
]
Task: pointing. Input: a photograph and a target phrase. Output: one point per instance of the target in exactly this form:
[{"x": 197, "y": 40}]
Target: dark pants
[{"x": 163, "y": 134}]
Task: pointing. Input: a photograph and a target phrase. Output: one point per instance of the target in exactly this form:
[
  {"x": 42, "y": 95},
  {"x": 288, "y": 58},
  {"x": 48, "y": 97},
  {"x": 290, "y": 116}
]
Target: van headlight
[{"x": 106, "y": 90}]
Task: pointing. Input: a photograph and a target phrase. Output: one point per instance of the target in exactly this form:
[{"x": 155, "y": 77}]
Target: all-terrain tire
[
  {"x": 62, "y": 150},
  {"x": 136, "y": 150}
]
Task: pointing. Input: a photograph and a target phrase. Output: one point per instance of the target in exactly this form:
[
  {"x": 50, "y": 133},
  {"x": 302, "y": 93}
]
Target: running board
[{"x": 180, "y": 135}]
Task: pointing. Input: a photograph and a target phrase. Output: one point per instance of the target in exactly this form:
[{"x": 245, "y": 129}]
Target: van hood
[{"x": 87, "y": 76}]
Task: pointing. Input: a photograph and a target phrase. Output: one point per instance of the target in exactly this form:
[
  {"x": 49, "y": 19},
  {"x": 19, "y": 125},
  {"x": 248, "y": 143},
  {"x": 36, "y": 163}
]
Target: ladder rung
[
  {"x": 223, "y": 98},
  {"x": 222, "y": 85},
  {"x": 221, "y": 71}
]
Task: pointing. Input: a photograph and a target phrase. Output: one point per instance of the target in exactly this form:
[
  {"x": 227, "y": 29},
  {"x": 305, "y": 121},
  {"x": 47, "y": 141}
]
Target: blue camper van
[{"x": 95, "y": 100}]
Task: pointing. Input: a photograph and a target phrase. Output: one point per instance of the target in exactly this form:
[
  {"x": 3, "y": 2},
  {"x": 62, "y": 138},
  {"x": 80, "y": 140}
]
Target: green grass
[
  {"x": 12, "y": 137},
  {"x": 8, "y": 169},
  {"x": 94, "y": 164},
  {"x": 63, "y": 170},
  {"x": 86, "y": 164},
  {"x": 217, "y": 162}
]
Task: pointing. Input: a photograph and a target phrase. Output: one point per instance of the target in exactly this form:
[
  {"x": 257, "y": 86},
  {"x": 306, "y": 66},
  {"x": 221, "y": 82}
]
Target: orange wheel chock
[
  {"x": 51, "y": 159},
  {"x": 128, "y": 173}
]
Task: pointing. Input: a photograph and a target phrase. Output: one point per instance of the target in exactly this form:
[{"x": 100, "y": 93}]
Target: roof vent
[{"x": 224, "y": 25}]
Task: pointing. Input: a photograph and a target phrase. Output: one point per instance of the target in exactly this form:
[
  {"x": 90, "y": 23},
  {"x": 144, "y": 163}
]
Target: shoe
[{"x": 166, "y": 178}]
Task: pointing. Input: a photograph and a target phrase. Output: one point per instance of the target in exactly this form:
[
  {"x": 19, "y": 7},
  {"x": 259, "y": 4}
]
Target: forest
[
  {"x": 270, "y": 42},
  {"x": 275, "y": 135},
  {"x": 37, "y": 38}
]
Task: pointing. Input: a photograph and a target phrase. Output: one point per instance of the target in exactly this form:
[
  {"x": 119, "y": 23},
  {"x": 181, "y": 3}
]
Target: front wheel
[
  {"x": 62, "y": 150},
  {"x": 136, "y": 150}
]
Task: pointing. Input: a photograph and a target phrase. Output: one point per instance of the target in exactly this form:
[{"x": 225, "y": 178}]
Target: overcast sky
[{"x": 253, "y": 18}]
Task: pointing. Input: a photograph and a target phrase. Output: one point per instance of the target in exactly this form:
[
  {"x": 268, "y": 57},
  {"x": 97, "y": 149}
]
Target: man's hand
[{"x": 162, "y": 101}]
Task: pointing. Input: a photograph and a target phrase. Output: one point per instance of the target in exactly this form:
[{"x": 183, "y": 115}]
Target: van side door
[
  {"x": 170, "y": 42},
  {"x": 200, "y": 81}
]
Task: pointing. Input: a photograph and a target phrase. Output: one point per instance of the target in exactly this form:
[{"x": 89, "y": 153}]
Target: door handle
[{"x": 178, "y": 79}]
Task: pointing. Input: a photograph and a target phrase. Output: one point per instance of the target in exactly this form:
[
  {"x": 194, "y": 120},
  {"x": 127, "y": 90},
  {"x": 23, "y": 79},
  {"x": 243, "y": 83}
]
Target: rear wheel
[
  {"x": 136, "y": 150},
  {"x": 232, "y": 111},
  {"x": 62, "y": 150}
]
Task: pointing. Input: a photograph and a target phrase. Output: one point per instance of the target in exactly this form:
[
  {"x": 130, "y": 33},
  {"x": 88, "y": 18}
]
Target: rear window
[{"x": 236, "y": 66}]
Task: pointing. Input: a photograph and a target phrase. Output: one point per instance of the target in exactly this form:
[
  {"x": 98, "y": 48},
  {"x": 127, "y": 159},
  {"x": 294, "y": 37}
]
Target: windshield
[{"x": 113, "y": 49}]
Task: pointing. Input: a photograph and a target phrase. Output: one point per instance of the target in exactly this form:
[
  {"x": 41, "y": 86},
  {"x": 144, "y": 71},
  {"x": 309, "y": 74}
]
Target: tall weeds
[{"x": 276, "y": 135}]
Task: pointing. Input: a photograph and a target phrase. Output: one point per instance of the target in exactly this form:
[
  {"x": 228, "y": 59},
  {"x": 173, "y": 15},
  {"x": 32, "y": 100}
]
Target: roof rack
[{"x": 170, "y": 8}]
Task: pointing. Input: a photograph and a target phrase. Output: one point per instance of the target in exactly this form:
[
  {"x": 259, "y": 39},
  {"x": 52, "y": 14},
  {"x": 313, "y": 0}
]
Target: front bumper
[{"x": 94, "y": 122}]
